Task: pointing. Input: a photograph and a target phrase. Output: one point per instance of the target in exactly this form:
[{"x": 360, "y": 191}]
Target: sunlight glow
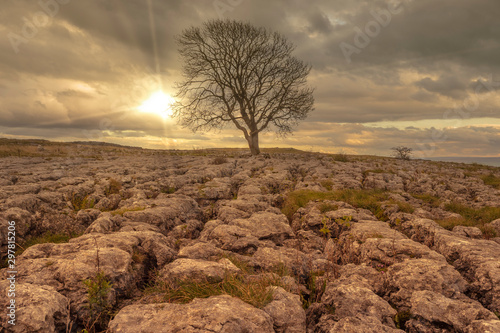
[{"x": 159, "y": 103}]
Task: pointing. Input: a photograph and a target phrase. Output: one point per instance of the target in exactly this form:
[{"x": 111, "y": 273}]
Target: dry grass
[
  {"x": 80, "y": 202},
  {"x": 429, "y": 199},
  {"x": 367, "y": 199},
  {"x": 255, "y": 291},
  {"x": 471, "y": 217},
  {"x": 113, "y": 187},
  {"x": 491, "y": 180},
  {"x": 121, "y": 211}
]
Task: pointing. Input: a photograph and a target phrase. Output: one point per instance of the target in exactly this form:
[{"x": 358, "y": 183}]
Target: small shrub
[
  {"x": 324, "y": 230},
  {"x": 168, "y": 190},
  {"x": 113, "y": 187},
  {"x": 297, "y": 172},
  {"x": 254, "y": 171},
  {"x": 98, "y": 289},
  {"x": 341, "y": 157},
  {"x": 315, "y": 293},
  {"x": 488, "y": 231},
  {"x": 344, "y": 221},
  {"x": 80, "y": 202},
  {"x": 219, "y": 160},
  {"x": 281, "y": 269},
  {"x": 401, "y": 318}
]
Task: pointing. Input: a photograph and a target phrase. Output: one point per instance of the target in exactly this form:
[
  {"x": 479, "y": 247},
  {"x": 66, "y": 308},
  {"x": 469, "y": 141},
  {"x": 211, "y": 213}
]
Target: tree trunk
[{"x": 253, "y": 143}]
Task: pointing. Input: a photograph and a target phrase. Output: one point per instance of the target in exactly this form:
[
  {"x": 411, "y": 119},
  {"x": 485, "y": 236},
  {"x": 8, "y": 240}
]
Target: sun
[{"x": 158, "y": 103}]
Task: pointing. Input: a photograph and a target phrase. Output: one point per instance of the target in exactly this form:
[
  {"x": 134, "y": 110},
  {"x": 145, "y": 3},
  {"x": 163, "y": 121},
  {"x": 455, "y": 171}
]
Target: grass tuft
[
  {"x": 80, "y": 202},
  {"x": 367, "y": 199},
  {"x": 122, "y": 211},
  {"x": 491, "y": 180},
  {"x": 219, "y": 160},
  {"x": 327, "y": 207},
  {"x": 113, "y": 187},
  {"x": 48, "y": 237},
  {"x": 405, "y": 207},
  {"x": 255, "y": 291},
  {"x": 471, "y": 217},
  {"x": 327, "y": 183},
  {"x": 429, "y": 199}
]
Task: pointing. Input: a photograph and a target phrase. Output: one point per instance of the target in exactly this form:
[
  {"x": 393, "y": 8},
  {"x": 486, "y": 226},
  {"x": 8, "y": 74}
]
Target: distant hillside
[{"x": 492, "y": 161}]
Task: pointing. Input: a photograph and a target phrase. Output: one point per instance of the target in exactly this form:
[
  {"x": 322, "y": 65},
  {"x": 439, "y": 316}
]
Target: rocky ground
[{"x": 282, "y": 242}]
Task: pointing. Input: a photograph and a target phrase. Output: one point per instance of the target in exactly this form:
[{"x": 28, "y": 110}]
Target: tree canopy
[{"x": 235, "y": 73}]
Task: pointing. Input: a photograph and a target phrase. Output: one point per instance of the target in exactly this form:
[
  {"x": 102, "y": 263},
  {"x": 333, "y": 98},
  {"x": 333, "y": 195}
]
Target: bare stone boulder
[
  {"x": 216, "y": 189},
  {"x": 484, "y": 326},
  {"x": 24, "y": 221},
  {"x": 228, "y": 210},
  {"x": 230, "y": 237},
  {"x": 286, "y": 311},
  {"x": 423, "y": 274},
  {"x": 198, "y": 270},
  {"x": 124, "y": 258},
  {"x": 200, "y": 250},
  {"x": 476, "y": 259},
  {"x": 269, "y": 258},
  {"x": 103, "y": 225},
  {"x": 266, "y": 225},
  {"x": 107, "y": 223},
  {"x": 429, "y": 308},
  {"x": 353, "y": 300},
  {"x": 367, "y": 324},
  {"x": 39, "y": 309},
  {"x": 87, "y": 216},
  {"x": 109, "y": 203},
  {"x": 169, "y": 211},
  {"x": 29, "y": 202},
  {"x": 470, "y": 232},
  {"x": 496, "y": 226},
  {"x": 217, "y": 314},
  {"x": 365, "y": 276},
  {"x": 375, "y": 243}
]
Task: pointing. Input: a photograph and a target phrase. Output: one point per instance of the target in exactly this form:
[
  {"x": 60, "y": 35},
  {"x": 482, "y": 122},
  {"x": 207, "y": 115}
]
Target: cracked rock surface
[{"x": 282, "y": 242}]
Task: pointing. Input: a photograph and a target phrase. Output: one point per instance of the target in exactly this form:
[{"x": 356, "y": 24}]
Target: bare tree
[
  {"x": 402, "y": 152},
  {"x": 240, "y": 74}
]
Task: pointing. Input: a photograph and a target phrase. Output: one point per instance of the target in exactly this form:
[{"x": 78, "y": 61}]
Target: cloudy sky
[{"x": 419, "y": 73}]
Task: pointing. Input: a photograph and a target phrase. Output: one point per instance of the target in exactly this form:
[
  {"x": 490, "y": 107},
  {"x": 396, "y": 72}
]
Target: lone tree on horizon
[
  {"x": 240, "y": 74},
  {"x": 402, "y": 152}
]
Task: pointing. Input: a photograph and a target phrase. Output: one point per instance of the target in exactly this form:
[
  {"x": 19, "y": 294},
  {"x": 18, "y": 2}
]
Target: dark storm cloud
[
  {"x": 95, "y": 61},
  {"x": 446, "y": 85}
]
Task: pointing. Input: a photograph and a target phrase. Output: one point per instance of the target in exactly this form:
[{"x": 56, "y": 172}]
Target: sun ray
[{"x": 158, "y": 103}]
